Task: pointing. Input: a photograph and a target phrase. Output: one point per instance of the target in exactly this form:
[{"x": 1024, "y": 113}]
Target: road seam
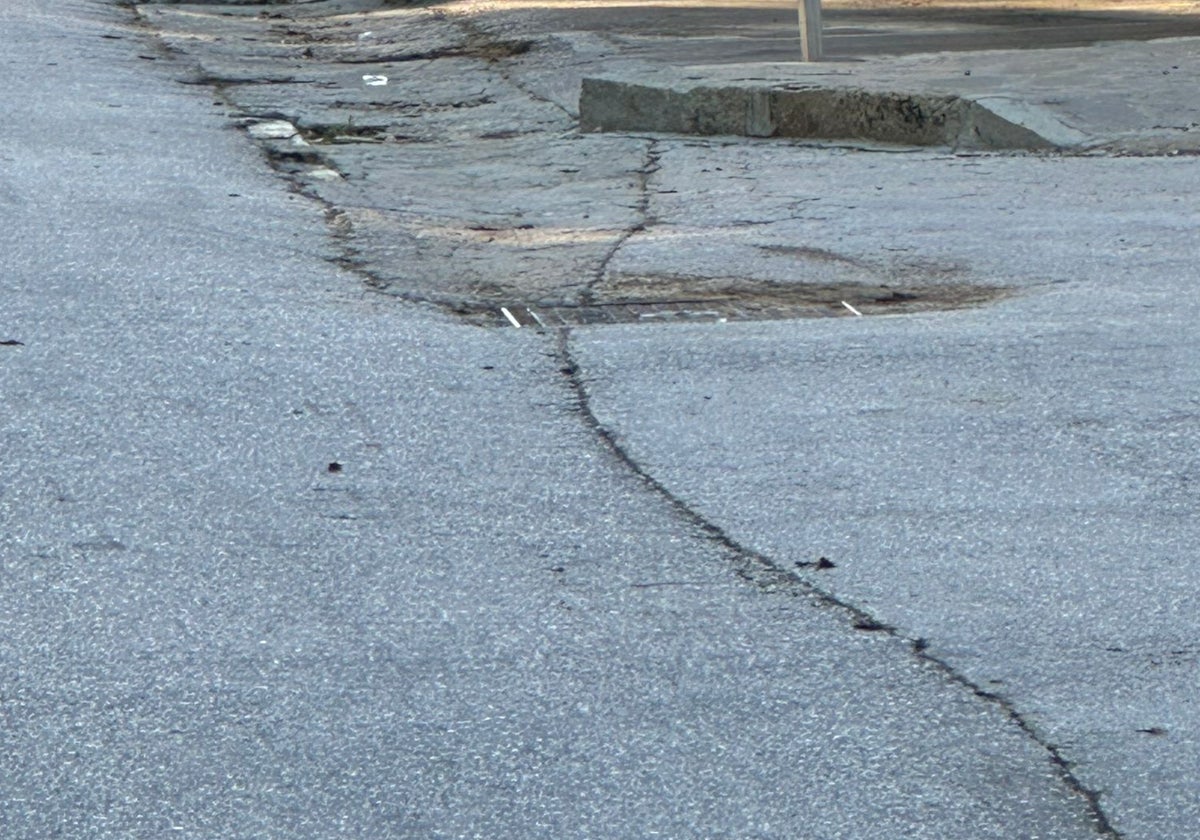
[{"x": 760, "y": 570}]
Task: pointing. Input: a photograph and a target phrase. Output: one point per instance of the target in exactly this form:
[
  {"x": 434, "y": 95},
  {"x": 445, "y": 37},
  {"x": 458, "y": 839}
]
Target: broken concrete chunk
[
  {"x": 271, "y": 130},
  {"x": 324, "y": 173}
]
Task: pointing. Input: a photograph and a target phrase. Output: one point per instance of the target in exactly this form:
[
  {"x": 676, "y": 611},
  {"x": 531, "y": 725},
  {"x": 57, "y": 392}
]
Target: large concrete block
[{"x": 826, "y": 113}]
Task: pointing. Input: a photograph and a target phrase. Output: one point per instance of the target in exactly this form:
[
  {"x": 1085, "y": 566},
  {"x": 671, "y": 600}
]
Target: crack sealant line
[{"x": 760, "y": 570}]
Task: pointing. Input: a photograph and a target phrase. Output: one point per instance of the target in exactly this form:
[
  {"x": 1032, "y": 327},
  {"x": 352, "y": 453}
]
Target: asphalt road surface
[{"x": 286, "y": 557}]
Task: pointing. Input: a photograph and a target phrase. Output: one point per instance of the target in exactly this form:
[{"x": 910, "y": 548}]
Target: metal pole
[{"x": 810, "y": 30}]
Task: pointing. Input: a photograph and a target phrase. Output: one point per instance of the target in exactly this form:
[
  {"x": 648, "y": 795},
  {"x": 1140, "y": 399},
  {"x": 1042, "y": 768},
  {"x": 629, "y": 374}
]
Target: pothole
[
  {"x": 495, "y": 49},
  {"x": 758, "y": 302}
]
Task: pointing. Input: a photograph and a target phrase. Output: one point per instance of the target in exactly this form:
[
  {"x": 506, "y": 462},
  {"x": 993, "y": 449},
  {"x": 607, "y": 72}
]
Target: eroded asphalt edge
[{"x": 754, "y": 567}]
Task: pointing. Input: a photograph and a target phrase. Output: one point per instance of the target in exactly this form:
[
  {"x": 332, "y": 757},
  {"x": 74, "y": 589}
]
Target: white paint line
[
  {"x": 852, "y": 309},
  {"x": 535, "y": 317},
  {"x": 510, "y": 317}
]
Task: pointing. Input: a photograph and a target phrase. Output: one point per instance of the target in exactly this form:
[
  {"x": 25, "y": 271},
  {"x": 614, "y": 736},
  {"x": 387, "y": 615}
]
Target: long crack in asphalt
[
  {"x": 352, "y": 134},
  {"x": 769, "y": 576}
]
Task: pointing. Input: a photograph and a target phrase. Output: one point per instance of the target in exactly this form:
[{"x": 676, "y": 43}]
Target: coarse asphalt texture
[{"x": 286, "y": 556}]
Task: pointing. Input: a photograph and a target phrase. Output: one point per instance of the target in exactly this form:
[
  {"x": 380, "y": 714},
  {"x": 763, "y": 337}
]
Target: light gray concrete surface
[{"x": 482, "y": 625}]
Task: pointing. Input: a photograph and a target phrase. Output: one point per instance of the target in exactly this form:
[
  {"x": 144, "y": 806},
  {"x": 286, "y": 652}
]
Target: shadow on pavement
[{"x": 714, "y": 33}]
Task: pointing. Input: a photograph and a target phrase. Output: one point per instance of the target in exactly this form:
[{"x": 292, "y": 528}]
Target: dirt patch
[
  {"x": 688, "y": 299},
  {"x": 480, "y": 48},
  {"x": 347, "y": 132},
  {"x": 489, "y": 49},
  {"x": 806, "y": 253}
]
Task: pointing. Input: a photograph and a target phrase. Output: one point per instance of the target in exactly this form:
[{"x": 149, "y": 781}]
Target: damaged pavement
[{"x": 479, "y": 474}]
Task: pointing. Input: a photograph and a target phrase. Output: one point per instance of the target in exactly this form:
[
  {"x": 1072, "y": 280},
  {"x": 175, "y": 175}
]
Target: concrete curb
[{"x": 826, "y": 113}]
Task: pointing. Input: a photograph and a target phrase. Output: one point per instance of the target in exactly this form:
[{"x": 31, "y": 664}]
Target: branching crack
[{"x": 760, "y": 570}]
